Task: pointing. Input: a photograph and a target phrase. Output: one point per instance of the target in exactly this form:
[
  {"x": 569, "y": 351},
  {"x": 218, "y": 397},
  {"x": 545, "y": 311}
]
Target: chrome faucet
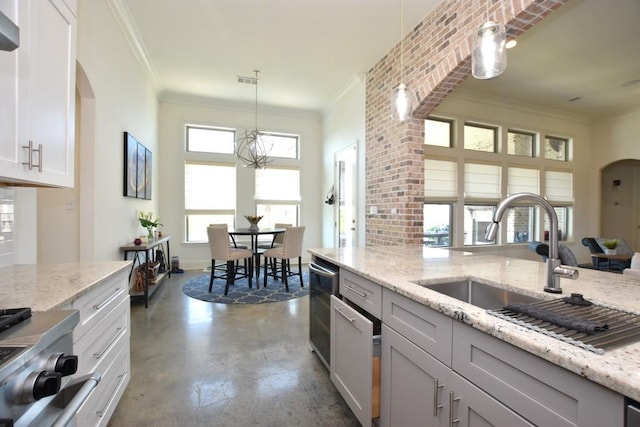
[{"x": 554, "y": 269}]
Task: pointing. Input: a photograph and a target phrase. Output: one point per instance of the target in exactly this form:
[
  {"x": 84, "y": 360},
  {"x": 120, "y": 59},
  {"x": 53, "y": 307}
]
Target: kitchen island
[
  {"x": 101, "y": 339},
  {"x": 397, "y": 269}
]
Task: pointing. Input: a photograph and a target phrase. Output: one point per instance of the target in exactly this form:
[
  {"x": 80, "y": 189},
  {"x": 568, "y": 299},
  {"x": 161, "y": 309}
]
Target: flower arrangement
[
  {"x": 253, "y": 220},
  {"x": 610, "y": 243},
  {"x": 147, "y": 221}
]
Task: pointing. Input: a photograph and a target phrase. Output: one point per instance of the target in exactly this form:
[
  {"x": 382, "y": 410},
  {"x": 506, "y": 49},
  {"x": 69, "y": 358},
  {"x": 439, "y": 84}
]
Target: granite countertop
[
  {"x": 398, "y": 267},
  {"x": 45, "y": 287}
]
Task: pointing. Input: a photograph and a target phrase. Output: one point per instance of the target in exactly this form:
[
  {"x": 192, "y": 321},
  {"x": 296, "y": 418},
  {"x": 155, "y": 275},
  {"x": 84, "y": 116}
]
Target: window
[
  {"x": 522, "y": 180},
  {"x": 458, "y": 212},
  {"x": 520, "y": 224},
  {"x": 563, "y": 214},
  {"x": 476, "y": 220},
  {"x": 212, "y": 176},
  {"x": 482, "y": 181},
  {"x": 438, "y": 132},
  {"x": 520, "y": 143},
  {"x": 210, "y": 140},
  {"x": 278, "y": 195},
  {"x": 480, "y": 138},
  {"x": 283, "y": 146},
  {"x": 209, "y": 198},
  {"x": 556, "y": 148},
  {"x": 440, "y": 178},
  {"x": 437, "y": 223}
]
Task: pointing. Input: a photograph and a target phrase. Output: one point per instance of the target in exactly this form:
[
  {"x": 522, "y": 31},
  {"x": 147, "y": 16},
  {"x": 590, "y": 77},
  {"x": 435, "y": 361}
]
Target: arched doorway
[{"x": 620, "y": 201}]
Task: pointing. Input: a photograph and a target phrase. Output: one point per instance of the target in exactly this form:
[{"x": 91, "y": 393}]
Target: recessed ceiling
[
  {"x": 583, "y": 58},
  {"x": 308, "y": 52}
]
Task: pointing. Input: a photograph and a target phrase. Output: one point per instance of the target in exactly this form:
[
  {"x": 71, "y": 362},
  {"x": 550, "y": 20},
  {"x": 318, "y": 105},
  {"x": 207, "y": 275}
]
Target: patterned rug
[{"x": 239, "y": 293}]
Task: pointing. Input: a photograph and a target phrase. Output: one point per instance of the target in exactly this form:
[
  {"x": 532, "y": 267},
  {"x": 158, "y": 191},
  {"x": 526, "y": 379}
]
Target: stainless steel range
[{"x": 36, "y": 368}]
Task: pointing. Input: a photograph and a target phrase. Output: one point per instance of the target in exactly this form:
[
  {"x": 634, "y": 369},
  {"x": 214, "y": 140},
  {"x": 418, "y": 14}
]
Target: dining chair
[
  {"x": 278, "y": 239},
  {"x": 221, "y": 250},
  {"x": 232, "y": 240},
  {"x": 291, "y": 248}
]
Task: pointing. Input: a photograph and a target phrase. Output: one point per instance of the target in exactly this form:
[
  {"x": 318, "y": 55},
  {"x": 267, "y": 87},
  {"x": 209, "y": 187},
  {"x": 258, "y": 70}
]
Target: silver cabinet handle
[
  {"x": 452, "y": 399},
  {"x": 315, "y": 268},
  {"x": 360, "y": 294},
  {"x": 29, "y": 162},
  {"x": 350, "y": 319},
  {"x": 111, "y": 341},
  {"x": 102, "y": 411},
  {"x": 116, "y": 291},
  {"x": 436, "y": 390},
  {"x": 39, "y": 150}
]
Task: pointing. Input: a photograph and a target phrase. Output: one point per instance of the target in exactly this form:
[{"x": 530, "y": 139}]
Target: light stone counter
[
  {"x": 397, "y": 267},
  {"x": 48, "y": 286}
]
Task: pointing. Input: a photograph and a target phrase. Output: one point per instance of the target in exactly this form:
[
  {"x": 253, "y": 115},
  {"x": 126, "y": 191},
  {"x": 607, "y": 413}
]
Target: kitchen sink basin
[{"x": 480, "y": 294}]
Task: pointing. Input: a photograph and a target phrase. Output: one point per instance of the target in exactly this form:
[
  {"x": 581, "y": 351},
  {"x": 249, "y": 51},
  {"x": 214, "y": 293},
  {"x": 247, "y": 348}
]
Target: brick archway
[{"x": 437, "y": 59}]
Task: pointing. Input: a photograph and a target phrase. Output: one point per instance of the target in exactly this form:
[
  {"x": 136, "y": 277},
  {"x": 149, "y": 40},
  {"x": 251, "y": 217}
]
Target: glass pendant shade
[
  {"x": 401, "y": 102},
  {"x": 489, "y": 56}
]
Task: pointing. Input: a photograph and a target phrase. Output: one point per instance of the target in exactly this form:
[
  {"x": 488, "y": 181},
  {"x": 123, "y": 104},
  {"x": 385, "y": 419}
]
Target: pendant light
[
  {"x": 401, "y": 97},
  {"x": 253, "y": 146},
  {"x": 489, "y": 56}
]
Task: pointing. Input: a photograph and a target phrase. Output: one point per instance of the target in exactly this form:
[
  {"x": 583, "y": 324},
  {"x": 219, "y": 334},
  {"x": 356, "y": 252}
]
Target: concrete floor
[{"x": 195, "y": 363}]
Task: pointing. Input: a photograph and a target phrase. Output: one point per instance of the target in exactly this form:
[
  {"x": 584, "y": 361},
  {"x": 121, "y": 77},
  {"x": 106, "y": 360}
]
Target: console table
[{"x": 149, "y": 255}]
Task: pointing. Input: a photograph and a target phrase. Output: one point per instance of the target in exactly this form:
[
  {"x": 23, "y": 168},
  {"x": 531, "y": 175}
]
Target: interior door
[{"x": 346, "y": 161}]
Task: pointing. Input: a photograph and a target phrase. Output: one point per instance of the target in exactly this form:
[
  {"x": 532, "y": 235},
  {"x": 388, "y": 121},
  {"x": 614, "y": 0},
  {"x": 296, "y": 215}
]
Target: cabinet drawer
[
  {"x": 540, "y": 391},
  {"x": 364, "y": 293},
  {"x": 98, "y": 344},
  {"x": 97, "y": 410},
  {"x": 426, "y": 328},
  {"x": 98, "y": 302}
]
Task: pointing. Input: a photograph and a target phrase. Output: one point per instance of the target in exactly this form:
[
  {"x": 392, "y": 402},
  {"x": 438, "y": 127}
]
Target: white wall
[
  {"x": 123, "y": 100},
  {"x": 175, "y": 113},
  {"x": 343, "y": 126}
]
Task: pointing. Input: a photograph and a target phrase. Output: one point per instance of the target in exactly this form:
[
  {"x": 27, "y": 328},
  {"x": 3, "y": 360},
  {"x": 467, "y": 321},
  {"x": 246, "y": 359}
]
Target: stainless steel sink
[{"x": 480, "y": 294}]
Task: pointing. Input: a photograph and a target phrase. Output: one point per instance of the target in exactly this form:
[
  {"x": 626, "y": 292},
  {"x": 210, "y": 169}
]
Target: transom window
[
  {"x": 210, "y": 139},
  {"x": 480, "y": 137}
]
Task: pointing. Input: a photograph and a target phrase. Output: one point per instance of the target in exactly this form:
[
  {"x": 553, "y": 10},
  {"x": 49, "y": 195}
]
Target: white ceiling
[{"x": 310, "y": 52}]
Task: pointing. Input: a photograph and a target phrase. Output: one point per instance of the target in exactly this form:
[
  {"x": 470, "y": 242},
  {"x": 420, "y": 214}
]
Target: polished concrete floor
[{"x": 195, "y": 363}]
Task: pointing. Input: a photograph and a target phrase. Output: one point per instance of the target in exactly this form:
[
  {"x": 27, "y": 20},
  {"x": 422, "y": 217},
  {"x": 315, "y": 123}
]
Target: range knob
[
  {"x": 64, "y": 364},
  {"x": 46, "y": 384},
  {"x": 67, "y": 364}
]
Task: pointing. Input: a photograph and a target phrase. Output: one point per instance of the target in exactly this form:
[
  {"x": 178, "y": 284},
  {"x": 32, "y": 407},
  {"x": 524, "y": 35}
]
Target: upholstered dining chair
[
  {"x": 232, "y": 240},
  {"x": 277, "y": 238},
  {"x": 291, "y": 248},
  {"x": 222, "y": 251}
]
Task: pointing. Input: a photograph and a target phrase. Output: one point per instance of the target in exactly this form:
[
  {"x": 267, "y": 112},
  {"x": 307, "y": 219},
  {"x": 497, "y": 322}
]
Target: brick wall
[{"x": 436, "y": 60}]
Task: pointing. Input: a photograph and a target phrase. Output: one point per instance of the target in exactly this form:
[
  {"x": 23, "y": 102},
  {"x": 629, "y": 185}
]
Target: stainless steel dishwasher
[{"x": 323, "y": 282}]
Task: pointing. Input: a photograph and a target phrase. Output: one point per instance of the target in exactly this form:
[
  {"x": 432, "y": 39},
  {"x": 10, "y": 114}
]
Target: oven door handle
[
  {"x": 86, "y": 384},
  {"x": 315, "y": 268}
]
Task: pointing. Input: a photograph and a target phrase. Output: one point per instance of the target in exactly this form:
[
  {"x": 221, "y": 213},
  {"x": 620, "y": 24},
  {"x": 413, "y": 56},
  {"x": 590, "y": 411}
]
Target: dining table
[{"x": 254, "y": 234}]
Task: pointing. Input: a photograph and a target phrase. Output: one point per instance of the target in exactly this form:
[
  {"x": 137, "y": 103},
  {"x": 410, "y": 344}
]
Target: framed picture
[
  {"x": 130, "y": 166},
  {"x": 137, "y": 168},
  {"x": 147, "y": 174}
]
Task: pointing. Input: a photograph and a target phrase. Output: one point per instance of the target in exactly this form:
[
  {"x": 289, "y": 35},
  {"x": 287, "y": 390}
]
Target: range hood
[{"x": 9, "y": 34}]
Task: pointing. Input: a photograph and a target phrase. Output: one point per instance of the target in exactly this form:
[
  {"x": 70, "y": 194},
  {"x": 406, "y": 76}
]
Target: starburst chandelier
[{"x": 253, "y": 146}]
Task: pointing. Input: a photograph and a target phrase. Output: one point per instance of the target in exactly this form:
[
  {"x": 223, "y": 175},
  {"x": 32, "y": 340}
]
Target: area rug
[{"x": 239, "y": 293}]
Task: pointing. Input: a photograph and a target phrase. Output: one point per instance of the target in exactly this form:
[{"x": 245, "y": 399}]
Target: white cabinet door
[
  {"x": 352, "y": 358},
  {"x": 10, "y": 155},
  {"x": 472, "y": 407},
  {"x": 415, "y": 386},
  {"x": 39, "y": 80}
]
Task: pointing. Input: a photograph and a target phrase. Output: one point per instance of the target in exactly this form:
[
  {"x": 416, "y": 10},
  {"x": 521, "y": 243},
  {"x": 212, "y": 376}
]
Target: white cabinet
[
  {"x": 352, "y": 358},
  {"x": 37, "y": 80},
  {"x": 441, "y": 370},
  {"x": 418, "y": 390},
  {"x": 102, "y": 342}
]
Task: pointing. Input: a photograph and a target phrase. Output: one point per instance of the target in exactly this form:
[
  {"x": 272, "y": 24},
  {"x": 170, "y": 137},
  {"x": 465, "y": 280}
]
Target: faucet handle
[{"x": 566, "y": 272}]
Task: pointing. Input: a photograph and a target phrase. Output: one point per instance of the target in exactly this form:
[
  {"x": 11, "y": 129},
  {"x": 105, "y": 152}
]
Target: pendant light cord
[
  {"x": 401, "y": 40},
  {"x": 257, "y": 72}
]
